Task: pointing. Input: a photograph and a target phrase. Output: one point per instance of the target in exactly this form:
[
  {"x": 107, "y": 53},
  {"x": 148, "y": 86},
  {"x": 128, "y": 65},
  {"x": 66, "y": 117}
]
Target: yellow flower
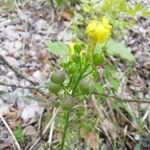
[{"x": 99, "y": 31}]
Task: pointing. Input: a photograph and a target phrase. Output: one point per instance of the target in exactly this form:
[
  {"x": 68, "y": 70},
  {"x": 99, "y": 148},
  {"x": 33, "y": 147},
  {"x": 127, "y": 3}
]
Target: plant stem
[
  {"x": 91, "y": 46},
  {"x": 70, "y": 81},
  {"x": 79, "y": 78},
  {"x": 67, "y": 114},
  {"x": 65, "y": 89},
  {"x": 87, "y": 74}
]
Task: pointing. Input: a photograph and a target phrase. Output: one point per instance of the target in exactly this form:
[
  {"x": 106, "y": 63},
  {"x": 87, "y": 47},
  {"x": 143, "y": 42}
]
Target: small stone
[
  {"x": 38, "y": 76},
  {"x": 30, "y": 131},
  {"x": 11, "y": 35},
  {"x": 4, "y": 88},
  {"x": 8, "y": 45},
  {"x": 12, "y": 61},
  {"x": 31, "y": 111},
  {"x": 37, "y": 37},
  {"x": 5, "y": 23},
  {"x": 41, "y": 25},
  {"x": 4, "y": 109},
  {"x": 17, "y": 45},
  {"x": 10, "y": 74}
]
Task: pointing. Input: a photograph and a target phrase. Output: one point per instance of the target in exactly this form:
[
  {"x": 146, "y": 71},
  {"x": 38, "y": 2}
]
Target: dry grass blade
[
  {"x": 43, "y": 94},
  {"x": 96, "y": 106},
  {"x": 46, "y": 128},
  {"x": 146, "y": 114},
  {"x": 10, "y": 131},
  {"x": 51, "y": 129},
  {"x": 16, "y": 71}
]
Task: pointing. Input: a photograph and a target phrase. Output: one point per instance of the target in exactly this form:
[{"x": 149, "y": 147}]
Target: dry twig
[
  {"x": 46, "y": 97},
  {"x": 17, "y": 71},
  {"x": 127, "y": 100}
]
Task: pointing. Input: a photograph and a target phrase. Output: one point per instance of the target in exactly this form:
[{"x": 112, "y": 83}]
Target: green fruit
[
  {"x": 84, "y": 87},
  {"x": 58, "y": 77},
  {"x": 98, "y": 59},
  {"x": 54, "y": 88},
  {"x": 95, "y": 74},
  {"x": 67, "y": 103}
]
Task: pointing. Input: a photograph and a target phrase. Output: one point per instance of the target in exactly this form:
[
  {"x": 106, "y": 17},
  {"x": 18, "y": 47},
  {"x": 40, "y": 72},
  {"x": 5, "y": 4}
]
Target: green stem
[
  {"x": 70, "y": 81},
  {"x": 65, "y": 89},
  {"x": 87, "y": 74},
  {"x": 91, "y": 46},
  {"x": 78, "y": 80},
  {"x": 67, "y": 114}
]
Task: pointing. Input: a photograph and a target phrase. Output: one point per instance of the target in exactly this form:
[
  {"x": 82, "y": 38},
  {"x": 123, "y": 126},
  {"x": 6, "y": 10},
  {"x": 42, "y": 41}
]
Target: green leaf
[
  {"x": 131, "y": 11},
  {"x": 60, "y": 2},
  {"x": 119, "y": 49},
  {"x": 146, "y": 13},
  {"x": 99, "y": 88},
  {"x": 58, "y": 48},
  {"x": 122, "y": 5},
  {"x": 86, "y": 8},
  {"x": 19, "y": 134},
  {"x": 113, "y": 76},
  {"x": 138, "y": 7},
  {"x": 78, "y": 18}
]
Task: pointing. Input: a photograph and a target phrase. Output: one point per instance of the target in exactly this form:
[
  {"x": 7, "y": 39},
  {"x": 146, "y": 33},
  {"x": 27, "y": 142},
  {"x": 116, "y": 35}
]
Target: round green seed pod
[
  {"x": 98, "y": 59},
  {"x": 67, "y": 103},
  {"x": 84, "y": 87},
  {"x": 58, "y": 77},
  {"x": 54, "y": 88}
]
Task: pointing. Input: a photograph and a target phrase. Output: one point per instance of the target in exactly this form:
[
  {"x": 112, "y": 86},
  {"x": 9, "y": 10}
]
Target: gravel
[{"x": 23, "y": 35}]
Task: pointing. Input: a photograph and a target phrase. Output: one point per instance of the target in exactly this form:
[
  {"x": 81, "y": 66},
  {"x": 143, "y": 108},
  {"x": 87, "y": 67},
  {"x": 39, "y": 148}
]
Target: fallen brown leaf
[
  {"x": 147, "y": 65},
  {"x": 109, "y": 129},
  {"x": 3, "y": 146},
  {"x": 92, "y": 140},
  {"x": 67, "y": 14}
]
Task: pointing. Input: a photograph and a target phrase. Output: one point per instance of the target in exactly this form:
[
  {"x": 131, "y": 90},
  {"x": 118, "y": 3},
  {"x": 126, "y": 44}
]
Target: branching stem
[{"x": 67, "y": 112}]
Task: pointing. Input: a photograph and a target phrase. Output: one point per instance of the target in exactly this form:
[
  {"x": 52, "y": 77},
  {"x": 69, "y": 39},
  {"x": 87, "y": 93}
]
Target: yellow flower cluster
[{"x": 99, "y": 31}]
